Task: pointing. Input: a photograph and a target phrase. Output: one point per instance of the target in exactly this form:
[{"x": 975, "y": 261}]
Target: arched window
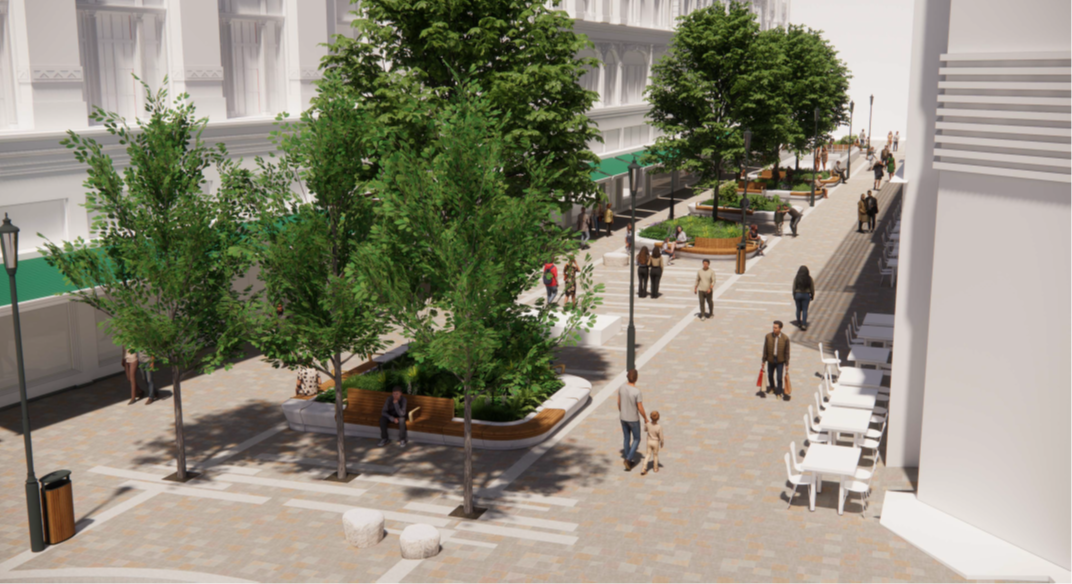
[
  {"x": 634, "y": 77},
  {"x": 590, "y": 80},
  {"x": 610, "y": 80}
]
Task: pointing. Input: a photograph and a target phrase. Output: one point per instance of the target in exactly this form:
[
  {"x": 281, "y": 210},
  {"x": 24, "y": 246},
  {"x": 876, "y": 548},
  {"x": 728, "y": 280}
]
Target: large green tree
[
  {"x": 522, "y": 52},
  {"x": 815, "y": 79},
  {"x": 718, "y": 77},
  {"x": 160, "y": 267},
  {"x": 314, "y": 213},
  {"x": 454, "y": 247}
]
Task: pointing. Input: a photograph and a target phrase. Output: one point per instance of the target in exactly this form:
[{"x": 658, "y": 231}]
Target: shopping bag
[
  {"x": 759, "y": 381},
  {"x": 788, "y": 384}
]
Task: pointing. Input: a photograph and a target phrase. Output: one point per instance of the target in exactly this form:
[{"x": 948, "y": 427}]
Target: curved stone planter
[
  {"x": 753, "y": 217},
  {"x": 312, "y": 416},
  {"x": 785, "y": 195}
]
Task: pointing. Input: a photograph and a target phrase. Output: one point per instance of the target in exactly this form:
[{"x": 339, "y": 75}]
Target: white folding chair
[
  {"x": 796, "y": 461},
  {"x": 857, "y": 486},
  {"x": 819, "y": 403},
  {"x": 797, "y": 479},
  {"x": 829, "y": 362},
  {"x": 883, "y": 272},
  {"x": 813, "y": 415},
  {"x": 873, "y": 443},
  {"x": 814, "y": 436},
  {"x": 853, "y": 342}
]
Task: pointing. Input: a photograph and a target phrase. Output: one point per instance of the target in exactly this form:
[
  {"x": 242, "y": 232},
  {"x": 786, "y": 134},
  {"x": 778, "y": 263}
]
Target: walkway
[{"x": 566, "y": 510}]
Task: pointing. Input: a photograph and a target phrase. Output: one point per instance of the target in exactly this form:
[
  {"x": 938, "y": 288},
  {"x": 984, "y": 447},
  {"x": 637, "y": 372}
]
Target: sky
[{"x": 874, "y": 39}]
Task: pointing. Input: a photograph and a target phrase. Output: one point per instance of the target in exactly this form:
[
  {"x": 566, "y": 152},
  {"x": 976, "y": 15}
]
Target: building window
[
  {"x": 116, "y": 45},
  {"x": 610, "y": 80},
  {"x": 251, "y": 33},
  {"x": 634, "y": 136},
  {"x": 612, "y": 140},
  {"x": 634, "y": 77},
  {"x": 344, "y": 17},
  {"x": 8, "y": 117},
  {"x": 590, "y": 79}
]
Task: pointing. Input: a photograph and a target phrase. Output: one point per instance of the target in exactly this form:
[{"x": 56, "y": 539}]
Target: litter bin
[{"x": 58, "y": 507}]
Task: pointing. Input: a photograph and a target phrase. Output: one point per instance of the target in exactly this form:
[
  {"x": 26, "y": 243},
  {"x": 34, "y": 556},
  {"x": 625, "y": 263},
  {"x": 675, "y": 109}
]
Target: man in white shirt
[{"x": 630, "y": 412}]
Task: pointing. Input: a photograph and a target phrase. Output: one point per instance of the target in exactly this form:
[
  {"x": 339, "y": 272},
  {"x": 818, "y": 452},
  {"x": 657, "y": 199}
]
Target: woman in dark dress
[
  {"x": 803, "y": 294},
  {"x": 655, "y": 271},
  {"x": 642, "y": 260}
]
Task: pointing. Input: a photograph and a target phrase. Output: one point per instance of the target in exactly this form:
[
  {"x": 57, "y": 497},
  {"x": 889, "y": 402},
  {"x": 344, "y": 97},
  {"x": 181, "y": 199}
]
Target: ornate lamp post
[
  {"x": 848, "y": 159},
  {"x": 630, "y": 333},
  {"x": 9, "y": 245},
  {"x": 745, "y": 203},
  {"x": 814, "y": 159},
  {"x": 673, "y": 187},
  {"x": 869, "y": 115}
]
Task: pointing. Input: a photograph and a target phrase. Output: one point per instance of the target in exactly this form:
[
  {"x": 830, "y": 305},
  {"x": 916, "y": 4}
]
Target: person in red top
[{"x": 550, "y": 280}]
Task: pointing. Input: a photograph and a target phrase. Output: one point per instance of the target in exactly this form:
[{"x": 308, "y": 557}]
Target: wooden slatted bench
[
  {"x": 753, "y": 188},
  {"x": 362, "y": 368},
  {"x": 717, "y": 246}
]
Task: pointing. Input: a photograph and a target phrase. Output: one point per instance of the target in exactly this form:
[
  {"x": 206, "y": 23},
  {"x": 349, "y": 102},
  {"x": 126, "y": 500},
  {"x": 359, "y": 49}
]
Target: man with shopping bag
[{"x": 776, "y": 358}]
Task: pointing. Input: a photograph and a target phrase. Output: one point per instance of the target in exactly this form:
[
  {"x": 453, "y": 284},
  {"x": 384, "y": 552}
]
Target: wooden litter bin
[
  {"x": 741, "y": 259},
  {"x": 58, "y": 506}
]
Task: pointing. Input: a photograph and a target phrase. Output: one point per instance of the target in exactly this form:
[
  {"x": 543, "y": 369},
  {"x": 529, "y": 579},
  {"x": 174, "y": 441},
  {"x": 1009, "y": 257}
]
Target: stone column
[
  {"x": 55, "y": 67},
  {"x": 195, "y": 55}
]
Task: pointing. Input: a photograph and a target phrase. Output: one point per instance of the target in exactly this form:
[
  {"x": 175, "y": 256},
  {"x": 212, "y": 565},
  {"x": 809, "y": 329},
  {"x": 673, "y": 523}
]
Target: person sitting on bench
[
  {"x": 753, "y": 235},
  {"x": 838, "y": 170},
  {"x": 394, "y": 411}
]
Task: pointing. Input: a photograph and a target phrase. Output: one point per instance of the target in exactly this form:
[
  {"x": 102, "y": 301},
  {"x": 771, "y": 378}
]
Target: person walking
[
  {"x": 705, "y": 287},
  {"x": 655, "y": 272},
  {"x": 889, "y": 140},
  {"x": 630, "y": 412},
  {"x": 643, "y": 259},
  {"x": 776, "y": 360},
  {"x": 891, "y": 166},
  {"x": 877, "y": 167},
  {"x": 861, "y": 213},
  {"x": 896, "y": 140},
  {"x": 794, "y": 218},
  {"x": 629, "y": 236},
  {"x": 825, "y": 155},
  {"x": 803, "y": 294},
  {"x": 146, "y": 363},
  {"x": 655, "y": 442},
  {"x": 570, "y": 276},
  {"x": 596, "y": 216},
  {"x": 872, "y": 211},
  {"x": 130, "y": 367},
  {"x": 608, "y": 218},
  {"x": 582, "y": 226},
  {"x": 550, "y": 280}
]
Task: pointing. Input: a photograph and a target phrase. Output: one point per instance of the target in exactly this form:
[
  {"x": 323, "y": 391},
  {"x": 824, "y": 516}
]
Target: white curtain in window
[
  {"x": 245, "y": 73},
  {"x": 116, "y": 54},
  {"x": 610, "y": 80}
]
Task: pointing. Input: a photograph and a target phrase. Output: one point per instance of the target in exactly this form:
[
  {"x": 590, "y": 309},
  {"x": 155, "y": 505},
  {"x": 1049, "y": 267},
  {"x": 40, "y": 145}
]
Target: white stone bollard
[
  {"x": 616, "y": 260},
  {"x": 363, "y": 527},
  {"x": 419, "y": 541}
]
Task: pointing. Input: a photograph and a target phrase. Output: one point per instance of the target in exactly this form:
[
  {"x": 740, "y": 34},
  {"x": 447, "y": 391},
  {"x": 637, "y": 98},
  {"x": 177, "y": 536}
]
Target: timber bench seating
[
  {"x": 435, "y": 415},
  {"x": 753, "y": 188},
  {"x": 833, "y": 180},
  {"x": 711, "y": 246}
]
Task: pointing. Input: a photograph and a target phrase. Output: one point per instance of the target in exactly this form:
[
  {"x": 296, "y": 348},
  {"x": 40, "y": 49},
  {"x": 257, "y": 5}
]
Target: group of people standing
[
  {"x": 589, "y": 223},
  {"x": 131, "y": 362},
  {"x": 866, "y": 212},
  {"x": 550, "y": 280}
]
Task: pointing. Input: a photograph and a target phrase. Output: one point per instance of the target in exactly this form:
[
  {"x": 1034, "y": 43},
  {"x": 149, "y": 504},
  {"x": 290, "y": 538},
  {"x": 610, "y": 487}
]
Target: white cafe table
[
  {"x": 877, "y": 319},
  {"x": 875, "y": 356},
  {"x": 863, "y": 398},
  {"x": 891, "y": 263},
  {"x": 853, "y": 421},
  {"x": 876, "y": 334},
  {"x": 833, "y": 460},
  {"x": 857, "y": 377},
  {"x": 894, "y": 250},
  {"x": 895, "y": 236}
]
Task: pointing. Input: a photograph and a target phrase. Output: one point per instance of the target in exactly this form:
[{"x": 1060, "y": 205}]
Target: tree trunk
[
  {"x": 467, "y": 477},
  {"x": 718, "y": 187},
  {"x": 180, "y": 438},
  {"x": 796, "y": 169},
  {"x": 340, "y": 425}
]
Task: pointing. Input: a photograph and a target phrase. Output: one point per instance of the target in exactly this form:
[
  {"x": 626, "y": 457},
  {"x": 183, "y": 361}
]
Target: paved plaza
[{"x": 562, "y": 511}]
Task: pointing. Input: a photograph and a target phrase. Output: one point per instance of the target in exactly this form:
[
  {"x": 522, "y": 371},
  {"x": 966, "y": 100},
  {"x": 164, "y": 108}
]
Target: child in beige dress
[{"x": 655, "y": 442}]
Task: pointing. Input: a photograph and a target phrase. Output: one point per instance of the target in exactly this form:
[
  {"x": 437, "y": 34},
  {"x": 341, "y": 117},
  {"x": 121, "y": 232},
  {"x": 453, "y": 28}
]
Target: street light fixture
[
  {"x": 745, "y": 203},
  {"x": 869, "y": 115},
  {"x": 673, "y": 188},
  {"x": 9, "y": 246},
  {"x": 848, "y": 163},
  {"x": 815, "y": 160},
  {"x": 630, "y": 333}
]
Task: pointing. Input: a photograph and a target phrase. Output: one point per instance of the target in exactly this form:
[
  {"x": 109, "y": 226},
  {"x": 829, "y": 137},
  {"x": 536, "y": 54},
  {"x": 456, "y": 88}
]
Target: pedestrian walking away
[
  {"x": 891, "y": 166},
  {"x": 878, "y": 168},
  {"x": 629, "y": 236},
  {"x": 550, "y": 280},
  {"x": 654, "y": 430},
  {"x": 582, "y": 226},
  {"x": 608, "y": 219},
  {"x": 570, "y": 276},
  {"x": 825, "y": 155},
  {"x": 794, "y": 218},
  {"x": 130, "y": 367},
  {"x": 643, "y": 259},
  {"x": 872, "y": 211},
  {"x": 889, "y": 140},
  {"x": 146, "y": 363},
  {"x": 655, "y": 271},
  {"x": 776, "y": 359},
  {"x": 861, "y": 213},
  {"x": 896, "y": 140},
  {"x": 597, "y": 216},
  {"x": 803, "y": 294},
  {"x": 630, "y": 412},
  {"x": 393, "y": 412},
  {"x": 705, "y": 287}
]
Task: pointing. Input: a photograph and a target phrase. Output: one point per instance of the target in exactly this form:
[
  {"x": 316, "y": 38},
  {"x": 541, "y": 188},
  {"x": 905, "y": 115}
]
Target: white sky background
[{"x": 875, "y": 40}]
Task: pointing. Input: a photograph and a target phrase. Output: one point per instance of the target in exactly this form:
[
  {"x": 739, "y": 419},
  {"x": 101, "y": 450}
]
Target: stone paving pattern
[{"x": 715, "y": 512}]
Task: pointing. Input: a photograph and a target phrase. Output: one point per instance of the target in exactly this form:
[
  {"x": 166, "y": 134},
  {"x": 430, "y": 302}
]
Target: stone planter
[{"x": 731, "y": 214}]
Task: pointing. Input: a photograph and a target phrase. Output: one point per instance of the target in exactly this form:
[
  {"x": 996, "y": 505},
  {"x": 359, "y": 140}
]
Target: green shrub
[
  {"x": 694, "y": 227},
  {"x": 756, "y": 202},
  {"x": 326, "y": 396},
  {"x": 847, "y": 140}
]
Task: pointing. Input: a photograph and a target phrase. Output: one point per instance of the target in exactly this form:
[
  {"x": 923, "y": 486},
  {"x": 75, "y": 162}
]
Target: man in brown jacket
[{"x": 776, "y": 358}]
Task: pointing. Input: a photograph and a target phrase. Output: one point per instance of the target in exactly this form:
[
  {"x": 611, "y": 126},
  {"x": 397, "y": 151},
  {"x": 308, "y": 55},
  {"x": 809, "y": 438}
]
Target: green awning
[
  {"x": 35, "y": 279},
  {"x": 617, "y": 165}
]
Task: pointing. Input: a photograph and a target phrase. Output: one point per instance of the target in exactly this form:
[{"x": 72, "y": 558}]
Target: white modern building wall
[
  {"x": 242, "y": 62},
  {"x": 981, "y": 395}
]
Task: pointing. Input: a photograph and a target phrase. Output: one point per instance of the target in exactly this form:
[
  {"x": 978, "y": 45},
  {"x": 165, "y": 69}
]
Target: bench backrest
[
  {"x": 432, "y": 408},
  {"x": 366, "y": 366},
  {"x": 713, "y": 243}
]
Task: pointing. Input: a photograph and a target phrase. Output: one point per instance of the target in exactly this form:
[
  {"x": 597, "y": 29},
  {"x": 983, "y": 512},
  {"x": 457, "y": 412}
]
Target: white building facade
[
  {"x": 980, "y": 392},
  {"x": 242, "y": 62}
]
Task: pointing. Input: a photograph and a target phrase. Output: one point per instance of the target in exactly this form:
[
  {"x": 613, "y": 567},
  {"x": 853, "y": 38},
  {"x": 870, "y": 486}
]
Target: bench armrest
[{"x": 412, "y": 413}]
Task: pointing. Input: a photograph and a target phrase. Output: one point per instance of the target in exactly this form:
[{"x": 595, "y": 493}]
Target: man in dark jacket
[
  {"x": 794, "y": 218},
  {"x": 872, "y": 211},
  {"x": 776, "y": 358},
  {"x": 393, "y": 412}
]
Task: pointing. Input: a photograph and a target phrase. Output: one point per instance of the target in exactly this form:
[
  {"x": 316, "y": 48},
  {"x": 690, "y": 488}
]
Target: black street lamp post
[
  {"x": 630, "y": 333},
  {"x": 815, "y": 160},
  {"x": 869, "y": 115},
  {"x": 673, "y": 188},
  {"x": 848, "y": 160},
  {"x": 9, "y": 245},
  {"x": 745, "y": 202}
]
